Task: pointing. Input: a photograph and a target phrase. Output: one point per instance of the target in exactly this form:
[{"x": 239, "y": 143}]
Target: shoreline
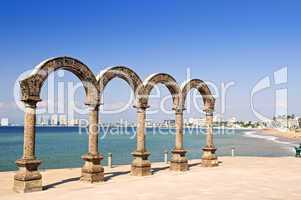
[{"x": 291, "y": 135}]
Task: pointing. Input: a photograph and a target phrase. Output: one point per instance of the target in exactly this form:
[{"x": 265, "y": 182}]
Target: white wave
[{"x": 252, "y": 134}]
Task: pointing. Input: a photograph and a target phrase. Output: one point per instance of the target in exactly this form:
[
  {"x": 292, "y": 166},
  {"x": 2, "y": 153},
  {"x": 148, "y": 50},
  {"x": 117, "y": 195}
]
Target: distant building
[
  {"x": 293, "y": 123},
  {"x": 197, "y": 121},
  {"x": 285, "y": 122},
  {"x": 4, "y": 122},
  {"x": 54, "y": 120},
  {"x": 149, "y": 123},
  {"x": 217, "y": 118},
  {"x": 73, "y": 122},
  {"x": 43, "y": 120},
  {"x": 63, "y": 120},
  {"x": 232, "y": 122},
  {"x": 169, "y": 123}
]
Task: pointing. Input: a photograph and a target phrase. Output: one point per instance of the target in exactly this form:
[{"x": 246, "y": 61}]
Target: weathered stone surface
[
  {"x": 141, "y": 166},
  {"x": 123, "y": 73},
  {"x": 203, "y": 89},
  {"x": 160, "y": 78},
  {"x": 92, "y": 171},
  {"x": 31, "y": 86},
  {"x": 209, "y": 159},
  {"x": 29, "y": 131},
  {"x": 28, "y": 178},
  {"x": 179, "y": 166},
  {"x": 140, "y": 130},
  {"x": 179, "y": 130},
  {"x": 93, "y": 130},
  {"x": 28, "y": 186},
  {"x": 179, "y": 162}
]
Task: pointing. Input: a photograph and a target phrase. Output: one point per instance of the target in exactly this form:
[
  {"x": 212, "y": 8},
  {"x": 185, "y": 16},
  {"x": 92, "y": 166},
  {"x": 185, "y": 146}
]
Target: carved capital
[
  {"x": 179, "y": 110},
  {"x": 209, "y": 112},
  {"x": 30, "y": 104},
  {"x": 93, "y": 107},
  {"x": 141, "y": 107},
  {"x": 92, "y": 101}
]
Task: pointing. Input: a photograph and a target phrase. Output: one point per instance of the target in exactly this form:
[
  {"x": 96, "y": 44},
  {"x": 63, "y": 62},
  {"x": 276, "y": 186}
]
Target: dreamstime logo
[{"x": 280, "y": 78}]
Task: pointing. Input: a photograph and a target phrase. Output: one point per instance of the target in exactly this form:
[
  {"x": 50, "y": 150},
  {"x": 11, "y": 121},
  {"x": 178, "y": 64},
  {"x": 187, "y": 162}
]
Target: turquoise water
[{"x": 62, "y": 147}]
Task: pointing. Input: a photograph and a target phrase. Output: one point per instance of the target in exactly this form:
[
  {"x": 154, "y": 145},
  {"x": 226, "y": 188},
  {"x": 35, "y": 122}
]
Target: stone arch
[
  {"x": 178, "y": 162},
  {"x": 31, "y": 86},
  {"x": 28, "y": 178},
  {"x": 203, "y": 89},
  {"x": 209, "y": 158},
  {"x": 140, "y": 166},
  {"x": 164, "y": 79},
  {"x": 121, "y": 72}
]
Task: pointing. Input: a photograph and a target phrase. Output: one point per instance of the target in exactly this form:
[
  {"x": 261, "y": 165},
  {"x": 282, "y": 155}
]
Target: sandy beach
[
  {"x": 238, "y": 178},
  {"x": 287, "y": 134}
]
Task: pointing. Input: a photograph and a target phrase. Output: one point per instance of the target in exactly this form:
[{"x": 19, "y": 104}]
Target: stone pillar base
[
  {"x": 28, "y": 178},
  {"x": 178, "y": 162},
  {"x": 141, "y": 166},
  {"x": 92, "y": 171},
  {"x": 209, "y": 159}
]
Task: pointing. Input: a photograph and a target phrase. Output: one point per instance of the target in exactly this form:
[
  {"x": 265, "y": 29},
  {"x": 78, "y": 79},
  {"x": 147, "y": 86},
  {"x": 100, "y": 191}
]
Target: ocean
[{"x": 62, "y": 147}]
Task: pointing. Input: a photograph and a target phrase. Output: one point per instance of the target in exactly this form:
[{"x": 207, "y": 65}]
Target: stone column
[
  {"x": 141, "y": 166},
  {"x": 179, "y": 162},
  {"x": 209, "y": 159},
  {"x": 92, "y": 171},
  {"x": 28, "y": 178}
]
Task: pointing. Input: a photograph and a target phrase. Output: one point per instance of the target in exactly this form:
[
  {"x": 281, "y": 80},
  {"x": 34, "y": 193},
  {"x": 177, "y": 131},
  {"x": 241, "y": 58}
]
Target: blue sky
[{"x": 220, "y": 41}]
